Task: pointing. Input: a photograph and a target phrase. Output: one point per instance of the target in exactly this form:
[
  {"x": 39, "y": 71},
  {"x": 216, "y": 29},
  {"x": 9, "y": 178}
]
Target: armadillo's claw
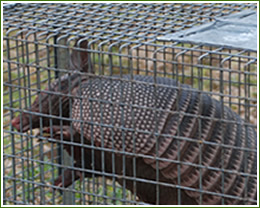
[
  {"x": 66, "y": 135},
  {"x": 44, "y": 133}
]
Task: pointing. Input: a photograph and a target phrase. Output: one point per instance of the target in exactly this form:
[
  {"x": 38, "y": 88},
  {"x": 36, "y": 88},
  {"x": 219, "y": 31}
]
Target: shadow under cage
[{"x": 98, "y": 110}]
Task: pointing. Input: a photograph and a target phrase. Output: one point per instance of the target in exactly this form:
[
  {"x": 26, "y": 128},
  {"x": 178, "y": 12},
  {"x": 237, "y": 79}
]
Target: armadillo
[{"x": 193, "y": 140}]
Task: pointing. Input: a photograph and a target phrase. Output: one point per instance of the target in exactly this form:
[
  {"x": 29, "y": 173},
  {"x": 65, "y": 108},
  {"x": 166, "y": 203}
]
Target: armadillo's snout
[
  {"x": 21, "y": 123},
  {"x": 16, "y": 123}
]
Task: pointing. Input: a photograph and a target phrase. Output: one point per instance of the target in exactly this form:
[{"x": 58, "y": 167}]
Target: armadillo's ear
[{"x": 79, "y": 59}]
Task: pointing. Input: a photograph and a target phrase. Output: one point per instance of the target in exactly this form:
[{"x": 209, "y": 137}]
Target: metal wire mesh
[{"x": 121, "y": 40}]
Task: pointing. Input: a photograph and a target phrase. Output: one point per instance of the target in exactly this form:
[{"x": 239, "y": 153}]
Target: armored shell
[{"x": 191, "y": 137}]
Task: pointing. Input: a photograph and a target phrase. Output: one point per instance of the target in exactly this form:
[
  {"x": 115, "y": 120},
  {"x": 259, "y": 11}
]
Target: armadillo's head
[{"x": 51, "y": 105}]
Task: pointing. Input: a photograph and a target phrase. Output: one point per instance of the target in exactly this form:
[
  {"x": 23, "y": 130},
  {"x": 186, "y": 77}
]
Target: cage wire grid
[{"x": 38, "y": 40}]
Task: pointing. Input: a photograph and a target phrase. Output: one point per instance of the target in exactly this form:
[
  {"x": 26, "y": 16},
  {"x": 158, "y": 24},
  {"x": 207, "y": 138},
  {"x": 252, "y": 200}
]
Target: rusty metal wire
[{"x": 122, "y": 39}]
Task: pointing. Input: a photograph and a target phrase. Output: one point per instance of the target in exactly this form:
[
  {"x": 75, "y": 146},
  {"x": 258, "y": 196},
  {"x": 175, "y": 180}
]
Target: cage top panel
[
  {"x": 236, "y": 30},
  {"x": 114, "y": 21}
]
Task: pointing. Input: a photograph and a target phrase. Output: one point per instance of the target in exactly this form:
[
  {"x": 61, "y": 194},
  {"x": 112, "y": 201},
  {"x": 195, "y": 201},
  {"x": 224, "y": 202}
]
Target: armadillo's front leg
[
  {"x": 68, "y": 179},
  {"x": 66, "y": 133}
]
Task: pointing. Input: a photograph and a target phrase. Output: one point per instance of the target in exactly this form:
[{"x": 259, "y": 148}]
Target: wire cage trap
[{"x": 98, "y": 108}]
